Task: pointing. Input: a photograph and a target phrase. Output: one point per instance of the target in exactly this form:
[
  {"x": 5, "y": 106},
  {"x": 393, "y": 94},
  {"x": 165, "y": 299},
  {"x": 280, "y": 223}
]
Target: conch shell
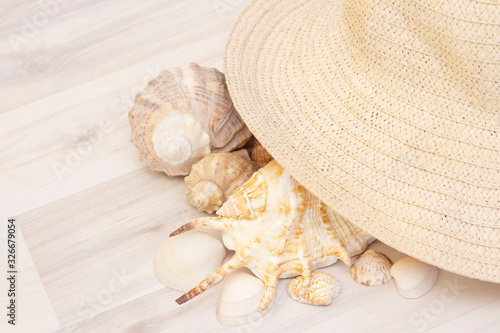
[
  {"x": 215, "y": 177},
  {"x": 258, "y": 153},
  {"x": 322, "y": 289},
  {"x": 278, "y": 229},
  {"x": 183, "y": 115},
  {"x": 371, "y": 269}
]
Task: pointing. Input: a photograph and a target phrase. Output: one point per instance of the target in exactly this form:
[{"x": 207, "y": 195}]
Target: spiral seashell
[
  {"x": 322, "y": 288},
  {"x": 258, "y": 153},
  {"x": 215, "y": 177},
  {"x": 371, "y": 269},
  {"x": 183, "y": 115},
  {"x": 278, "y": 229}
]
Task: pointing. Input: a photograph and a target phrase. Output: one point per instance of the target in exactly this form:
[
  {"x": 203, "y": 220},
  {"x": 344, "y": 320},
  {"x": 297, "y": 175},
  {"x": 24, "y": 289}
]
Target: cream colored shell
[
  {"x": 322, "y": 288},
  {"x": 183, "y": 261},
  {"x": 413, "y": 277},
  {"x": 371, "y": 269},
  {"x": 240, "y": 298},
  {"x": 215, "y": 177},
  {"x": 278, "y": 229},
  {"x": 181, "y": 116}
]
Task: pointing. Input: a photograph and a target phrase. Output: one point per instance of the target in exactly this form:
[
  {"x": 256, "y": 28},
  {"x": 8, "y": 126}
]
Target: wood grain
[{"x": 91, "y": 215}]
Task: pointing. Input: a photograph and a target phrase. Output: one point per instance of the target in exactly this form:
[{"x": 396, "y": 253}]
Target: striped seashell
[
  {"x": 371, "y": 269},
  {"x": 183, "y": 115}
]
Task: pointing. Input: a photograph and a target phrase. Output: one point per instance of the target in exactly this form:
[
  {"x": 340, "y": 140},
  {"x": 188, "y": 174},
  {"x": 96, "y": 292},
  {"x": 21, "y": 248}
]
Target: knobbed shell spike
[
  {"x": 181, "y": 262},
  {"x": 181, "y": 116},
  {"x": 215, "y": 177},
  {"x": 278, "y": 229},
  {"x": 258, "y": 153},
  {"x": 413, "y": 278},
  {"x": 371, "y": 269},
  {"x": 322, "y": 288}
]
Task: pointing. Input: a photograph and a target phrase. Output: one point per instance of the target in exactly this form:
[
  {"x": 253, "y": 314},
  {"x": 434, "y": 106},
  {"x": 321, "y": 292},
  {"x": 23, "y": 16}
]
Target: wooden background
[{"x": 91, "y": 216}]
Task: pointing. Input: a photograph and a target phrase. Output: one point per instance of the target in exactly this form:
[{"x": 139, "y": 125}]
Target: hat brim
[{"x": 322, "y": 117}]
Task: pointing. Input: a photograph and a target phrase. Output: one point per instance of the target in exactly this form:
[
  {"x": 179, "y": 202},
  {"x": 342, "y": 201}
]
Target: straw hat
[{"x": 388, "y": 111}]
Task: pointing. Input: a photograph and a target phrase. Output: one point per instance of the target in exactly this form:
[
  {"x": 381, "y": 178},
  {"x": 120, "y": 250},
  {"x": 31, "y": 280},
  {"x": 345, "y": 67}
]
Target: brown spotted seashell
[
  {"x": 371, "y": 269},
  {"x": 320, "y": 291},
  {"x": 183, "y": 115},
  {"x": 258, "y": 153},
  {"x": 215, "y": 177}
]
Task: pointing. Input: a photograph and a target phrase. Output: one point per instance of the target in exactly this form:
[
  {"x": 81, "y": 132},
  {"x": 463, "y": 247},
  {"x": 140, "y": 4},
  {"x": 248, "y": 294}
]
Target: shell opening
[
  {"x": 177, "y": 137},
  {"x": 173, "y": 150}
]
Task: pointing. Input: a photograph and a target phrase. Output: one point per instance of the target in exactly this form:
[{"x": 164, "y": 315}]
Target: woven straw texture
[{"x": 387, "y": 111}]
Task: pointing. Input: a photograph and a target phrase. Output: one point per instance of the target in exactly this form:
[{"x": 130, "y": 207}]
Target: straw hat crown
[{"x": 388, "y": 111}]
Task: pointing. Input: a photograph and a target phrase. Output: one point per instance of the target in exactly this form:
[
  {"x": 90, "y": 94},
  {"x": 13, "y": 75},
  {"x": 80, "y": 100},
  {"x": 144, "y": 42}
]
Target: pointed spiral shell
[
  {"x": 215, "y": 177},
  {"x": 183, "y": 115},
  {"x": 322, "y": 288}
]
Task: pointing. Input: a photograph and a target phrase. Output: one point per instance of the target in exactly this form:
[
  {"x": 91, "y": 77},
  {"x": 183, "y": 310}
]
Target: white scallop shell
[
  {"x": 413, "y": 277},
  {"x": 239, "y": 301},
  {"x": 183, "y": 261}
]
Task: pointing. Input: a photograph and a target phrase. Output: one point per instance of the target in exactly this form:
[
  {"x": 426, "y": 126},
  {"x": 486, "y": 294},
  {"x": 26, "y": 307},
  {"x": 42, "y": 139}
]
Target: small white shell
[
  {"x": 240, "y": 298},
  {"x": 183, "y": 261},
  {"x": 371, "y": 269},
  {"x": 322, "y": 288},
  {"x": 413, "y": 278}
]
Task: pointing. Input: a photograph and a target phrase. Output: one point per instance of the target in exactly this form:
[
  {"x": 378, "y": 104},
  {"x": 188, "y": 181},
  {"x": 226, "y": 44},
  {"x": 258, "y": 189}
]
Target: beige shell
[
  {"x": 181, "y": 116},
  {"x": 278, "y": 229},
  {"x": 181, "y": 262},
  {"x": 371, "y": 269},
  {"x": 322, "y": 288},
  {"x": 413, "y": 277},
  {"x": 240, "y": 298},
  {"x": 215, "y": 177},
  {"x": 258, "y": 153}
]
